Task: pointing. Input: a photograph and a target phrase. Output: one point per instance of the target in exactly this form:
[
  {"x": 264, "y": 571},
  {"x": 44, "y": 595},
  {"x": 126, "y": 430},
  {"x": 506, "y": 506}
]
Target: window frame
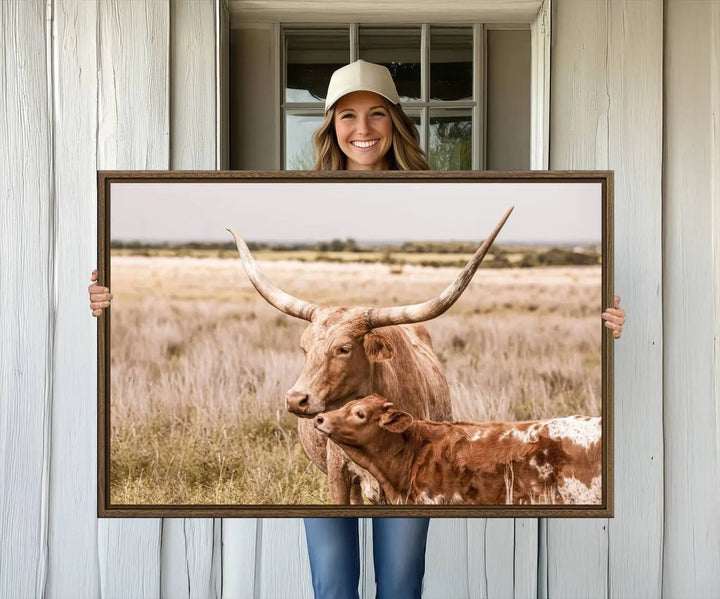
[{"x": 539, "y": 83}]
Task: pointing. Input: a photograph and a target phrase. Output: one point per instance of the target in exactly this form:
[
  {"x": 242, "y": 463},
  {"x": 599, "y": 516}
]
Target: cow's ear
[
  {"x": 377, "y": 347},
  {"x": 395, "y": 421}
]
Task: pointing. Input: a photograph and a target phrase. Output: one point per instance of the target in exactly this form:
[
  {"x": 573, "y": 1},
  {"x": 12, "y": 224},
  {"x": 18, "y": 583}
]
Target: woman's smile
[{"x": 364, "y": 144}]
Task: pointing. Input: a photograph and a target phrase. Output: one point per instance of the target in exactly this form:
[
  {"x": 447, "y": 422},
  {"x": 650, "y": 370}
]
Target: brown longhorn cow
[
  {"x": 556, "y": 461},
  {"x": 351, "y": 352}
]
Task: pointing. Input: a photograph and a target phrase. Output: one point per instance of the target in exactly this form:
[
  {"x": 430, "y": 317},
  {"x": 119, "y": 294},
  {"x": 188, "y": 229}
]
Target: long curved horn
[
  {"x": 382, "y": 317},
  {"x": 273, "y": 295}
]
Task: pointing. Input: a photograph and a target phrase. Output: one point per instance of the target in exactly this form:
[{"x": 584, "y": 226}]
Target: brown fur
[
  {"x": 397, "y": 362},
  {"x": 421, "y": 461}
]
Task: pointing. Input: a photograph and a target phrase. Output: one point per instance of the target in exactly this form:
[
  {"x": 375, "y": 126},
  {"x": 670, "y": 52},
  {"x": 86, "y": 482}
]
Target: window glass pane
[
  {"x": 415, "y": 118},
  {"x": 451, "y": 63},
  {"x": 450, "y": 140},
  {"x": 399, "y": 50},
  {"x": 299, "y": 129},
  {"x": 311, "y": 57}
]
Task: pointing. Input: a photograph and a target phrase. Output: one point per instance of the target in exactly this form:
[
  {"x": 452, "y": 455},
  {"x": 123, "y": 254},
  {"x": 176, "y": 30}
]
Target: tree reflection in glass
[{"x": 450, "y": 140}]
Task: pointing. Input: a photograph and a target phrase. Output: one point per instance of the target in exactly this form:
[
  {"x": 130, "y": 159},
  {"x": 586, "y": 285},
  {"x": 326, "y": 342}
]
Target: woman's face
[{"x": 364, "y": 130}]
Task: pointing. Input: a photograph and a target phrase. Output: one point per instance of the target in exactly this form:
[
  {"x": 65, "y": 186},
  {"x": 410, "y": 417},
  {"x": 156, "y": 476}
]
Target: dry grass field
[{"x": 200, "y": 365}]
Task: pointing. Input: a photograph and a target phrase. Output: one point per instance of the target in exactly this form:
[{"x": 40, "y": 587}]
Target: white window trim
[
  {"x": 540, "y": 32},
  {"x": 540, "y": 89},
  {"x": 278, "y": 94},
  {"x": 479, "y": 86},
  {"x": 382, "y": 11}
]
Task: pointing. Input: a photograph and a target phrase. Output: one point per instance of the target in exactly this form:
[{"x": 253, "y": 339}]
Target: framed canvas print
[{"x": 355, "y": 344}]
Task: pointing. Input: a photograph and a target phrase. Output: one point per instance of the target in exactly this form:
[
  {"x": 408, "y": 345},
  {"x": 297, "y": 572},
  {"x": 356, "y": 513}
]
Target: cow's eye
[
  {"x": 360, "y": 415},
  {"x": 344, "y": 350}
]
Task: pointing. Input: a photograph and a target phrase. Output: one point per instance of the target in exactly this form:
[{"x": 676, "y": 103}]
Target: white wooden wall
[
  {"x": 691, "y": 293},
  {"x": 606, "y": 90},
  {"x": 635, "y": 87}
]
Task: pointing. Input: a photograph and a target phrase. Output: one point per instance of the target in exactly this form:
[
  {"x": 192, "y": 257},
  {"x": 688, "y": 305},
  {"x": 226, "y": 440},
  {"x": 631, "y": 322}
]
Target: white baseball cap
[{"x": 361, "y": 76}]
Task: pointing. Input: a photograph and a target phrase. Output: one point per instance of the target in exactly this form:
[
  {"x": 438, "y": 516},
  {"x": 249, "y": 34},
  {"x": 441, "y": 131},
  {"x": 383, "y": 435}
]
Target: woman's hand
[
  {"x": 614, "y": 318},
  {"x": 99, "y": 296}
]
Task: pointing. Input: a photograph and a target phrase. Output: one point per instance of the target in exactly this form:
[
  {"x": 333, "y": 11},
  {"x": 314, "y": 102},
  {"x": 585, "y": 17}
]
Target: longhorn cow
[{"x": 351, "y": 352}]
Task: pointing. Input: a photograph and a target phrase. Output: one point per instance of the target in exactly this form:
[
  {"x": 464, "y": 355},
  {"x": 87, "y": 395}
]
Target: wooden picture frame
[{"x": 171, "y": 208}]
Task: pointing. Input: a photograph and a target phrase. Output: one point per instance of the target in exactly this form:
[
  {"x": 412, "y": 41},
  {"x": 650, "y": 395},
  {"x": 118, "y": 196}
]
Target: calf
[{"x": 490, "y": 463}]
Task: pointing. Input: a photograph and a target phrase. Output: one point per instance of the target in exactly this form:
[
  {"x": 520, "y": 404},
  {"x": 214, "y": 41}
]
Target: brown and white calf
[{"x": 555, "y": 461}]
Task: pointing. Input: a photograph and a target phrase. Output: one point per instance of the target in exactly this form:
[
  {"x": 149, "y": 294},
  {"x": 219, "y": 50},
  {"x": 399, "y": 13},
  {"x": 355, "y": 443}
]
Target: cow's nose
[
  {"x": 319, "y": 420},
  {"x": 297, "y": 401}
]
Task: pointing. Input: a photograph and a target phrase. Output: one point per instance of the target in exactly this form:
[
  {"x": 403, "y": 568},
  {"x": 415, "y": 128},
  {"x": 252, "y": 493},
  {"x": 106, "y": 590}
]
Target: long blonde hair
[{"x": 404, "y": 155}]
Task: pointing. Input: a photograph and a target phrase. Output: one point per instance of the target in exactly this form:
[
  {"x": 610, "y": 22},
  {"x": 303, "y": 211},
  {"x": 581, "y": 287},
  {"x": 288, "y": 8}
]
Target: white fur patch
[
  {"x": 370, "y": 488},
  {"x": 576, "y": 428},
  {"x": 542, "y": 494},
  {"x": 436, "y": 500},
  {"x": 528, "y": 436},
  {"x": 543, "y": 471},
  {"x": 509, "y": 476},
  {"x": 574, "y": 491},
  {"x": 368, "y": 483},
  {"x": 425, "y": 497}
]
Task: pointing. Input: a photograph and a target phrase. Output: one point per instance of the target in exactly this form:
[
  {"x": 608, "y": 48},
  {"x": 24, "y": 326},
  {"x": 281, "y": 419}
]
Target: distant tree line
[
  {"x": 560, "y": 257},
  {"x": 334, "y": 245},
  {"x": 499, "y": 256}
]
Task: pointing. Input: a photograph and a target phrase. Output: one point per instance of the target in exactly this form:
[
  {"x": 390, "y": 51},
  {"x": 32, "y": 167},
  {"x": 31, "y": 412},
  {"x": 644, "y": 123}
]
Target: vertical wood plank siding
[
  {"x": 578, "y": 140},
  {"x": 526, "y": 558},
  {"x": 447, "y": 558},
  {"x": 27, "y": 304},
  {"x": 133, "y": 133},
  {"x": 499, "y": 557},
  {"x": 192, "y": 86},
  {"x": 72, "y": 551},
  {"x": 635, "y": 86},
  {"x": 692, "y": 304},
  {"x": 240, "y": 540},
  {"x": 187, "y": 543},
  {"x": 367, "y": 567},
  {"x": 284, "y": 568},
  {"x": 187, "y": 558},
  {"x": 607, "y": 113},
  {"x": 123, "y": 85}
]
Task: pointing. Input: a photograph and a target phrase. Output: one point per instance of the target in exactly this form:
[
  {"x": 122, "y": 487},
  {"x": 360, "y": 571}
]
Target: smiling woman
[{"x": 365, "y": 128}]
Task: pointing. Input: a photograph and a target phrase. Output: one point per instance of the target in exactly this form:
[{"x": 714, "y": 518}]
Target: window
[
  {"x": 467, "y": 87},
  {"x": 442, "y": 73}
]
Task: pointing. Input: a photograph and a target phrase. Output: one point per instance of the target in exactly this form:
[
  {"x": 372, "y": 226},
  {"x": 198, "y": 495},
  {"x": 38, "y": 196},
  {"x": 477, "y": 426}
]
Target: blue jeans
[{"x": 398, "y": 556}]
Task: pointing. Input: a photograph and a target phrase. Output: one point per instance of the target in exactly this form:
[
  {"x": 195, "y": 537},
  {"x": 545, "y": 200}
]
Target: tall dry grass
[{"x": 200, "y": 365}]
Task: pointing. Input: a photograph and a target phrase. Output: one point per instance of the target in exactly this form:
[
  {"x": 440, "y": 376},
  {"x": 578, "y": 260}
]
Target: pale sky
[{"x": 559, "y": 213}]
